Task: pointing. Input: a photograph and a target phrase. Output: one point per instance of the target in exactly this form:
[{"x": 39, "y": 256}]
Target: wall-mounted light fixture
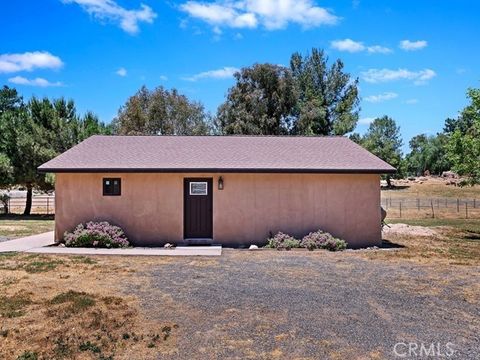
[{"x": 220, "y": 183}]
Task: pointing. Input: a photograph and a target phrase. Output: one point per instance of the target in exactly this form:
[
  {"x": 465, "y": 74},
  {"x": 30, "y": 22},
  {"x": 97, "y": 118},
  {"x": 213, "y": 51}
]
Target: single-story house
[{"x": 230, "y": 190}]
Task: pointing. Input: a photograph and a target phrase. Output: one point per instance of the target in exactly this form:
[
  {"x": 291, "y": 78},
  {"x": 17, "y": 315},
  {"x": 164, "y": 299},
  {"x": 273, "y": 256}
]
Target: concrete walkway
[
  {"x": 27, "y": 243},
  {"x": 41, "y": 244},
  {"x": 138, "y": 251}
]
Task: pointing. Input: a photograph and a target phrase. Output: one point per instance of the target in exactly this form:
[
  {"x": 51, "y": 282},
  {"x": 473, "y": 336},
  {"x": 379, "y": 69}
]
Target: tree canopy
[
  {"x": 384, "y": 140},
  {"x": 35, "y": 132},
  {"x": 427, "y": 153},
  {"x": 161, "y": 112},
  {"x": 309, "y": 98},
  {"x": 327, "y": 99},
  {"x": 260, "y": 103},
  {"x": 463, "y": 146}
]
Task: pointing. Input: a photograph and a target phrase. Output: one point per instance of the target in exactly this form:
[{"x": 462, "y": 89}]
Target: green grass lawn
[{"x": 15, "y": 226}]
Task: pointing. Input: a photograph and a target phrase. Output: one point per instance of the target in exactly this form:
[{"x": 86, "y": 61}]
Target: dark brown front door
[{"x": 198, "y": 208}]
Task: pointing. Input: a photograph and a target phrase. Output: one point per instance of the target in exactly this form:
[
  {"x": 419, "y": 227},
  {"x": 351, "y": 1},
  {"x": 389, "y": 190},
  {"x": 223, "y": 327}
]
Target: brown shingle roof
[{"x": 217, "y": 154}]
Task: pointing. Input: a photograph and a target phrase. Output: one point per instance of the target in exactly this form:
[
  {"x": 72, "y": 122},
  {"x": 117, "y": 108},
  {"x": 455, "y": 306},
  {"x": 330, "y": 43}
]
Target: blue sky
[{"x": 414, "y": 59}]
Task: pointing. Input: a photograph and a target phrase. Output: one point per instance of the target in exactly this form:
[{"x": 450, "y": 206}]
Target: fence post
[
  {"x": 400, "y": 203},
  {"x": 458, "y": 205},
  {"x": 9, "y": 204},
  {"x": 466, "y": 210},
  {"x": 48, "y": 200},
  {"x": 433, "y": 211},
  {"x": 446, "y": 202},
  {"x": 474, "y": 203},
  {"x": 418, "y": 204}
]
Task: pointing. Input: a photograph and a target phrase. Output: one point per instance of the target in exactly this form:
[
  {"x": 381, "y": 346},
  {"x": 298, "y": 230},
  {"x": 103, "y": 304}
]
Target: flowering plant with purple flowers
[
  {"x": 96, "y": 234},
  {"x": 322, "y": 240},
  {"x": 282, "y": 241}
]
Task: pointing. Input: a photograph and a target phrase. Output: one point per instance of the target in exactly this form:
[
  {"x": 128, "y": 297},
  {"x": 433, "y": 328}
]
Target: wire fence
[
  {"x": 441, "y": 208},
  {"x": 399, "y": 208},
  {"x": 43, "y": 204}
]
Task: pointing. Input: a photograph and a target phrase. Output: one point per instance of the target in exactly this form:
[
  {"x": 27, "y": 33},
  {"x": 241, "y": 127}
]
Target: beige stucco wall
[{"x": 150, "y": 209}]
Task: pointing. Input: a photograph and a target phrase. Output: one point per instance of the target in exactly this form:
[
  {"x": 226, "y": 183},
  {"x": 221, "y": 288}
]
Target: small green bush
[{"x": 282, "y": 241}]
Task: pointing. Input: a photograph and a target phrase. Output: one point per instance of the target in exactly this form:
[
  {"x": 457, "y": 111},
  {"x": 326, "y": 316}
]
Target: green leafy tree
[
  {"x": 384, "y": 140},
  {"x": 10, "y": 101},
  {"x": 328, "y": 101},
  {"x": 34, "y": 133},
  {"x": 260, "y": 103},
  {"x": 463, "y": 146},
  {"x": 161, "y": 112},
  {"x": 428, "y": 153}
]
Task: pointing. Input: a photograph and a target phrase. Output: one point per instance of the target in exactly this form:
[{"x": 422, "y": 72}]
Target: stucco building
[{"x": 230, "y": 190}]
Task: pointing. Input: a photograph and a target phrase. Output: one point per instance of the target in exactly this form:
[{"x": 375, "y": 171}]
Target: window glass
[
  {"x": 112, "y": 187},
  {"x": 198, "y": 188}
]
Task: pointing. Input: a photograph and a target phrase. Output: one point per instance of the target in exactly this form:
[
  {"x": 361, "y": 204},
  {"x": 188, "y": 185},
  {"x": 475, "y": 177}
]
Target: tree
[
  {"x": 260, "y": 103},
  {"x": 328, "y": 101},
  {"x": 10, "y": 101},
  {"x": 161, "y": 112},
  {"x": 34, "y": 133},
  {"x": 383, "y": 139},
  {"x": 427, "y": 153},
  {"x": 463, "y": 146}
]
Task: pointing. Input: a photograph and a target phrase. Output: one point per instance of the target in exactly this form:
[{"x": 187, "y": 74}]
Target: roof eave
[{"x": 216, "y": 170}]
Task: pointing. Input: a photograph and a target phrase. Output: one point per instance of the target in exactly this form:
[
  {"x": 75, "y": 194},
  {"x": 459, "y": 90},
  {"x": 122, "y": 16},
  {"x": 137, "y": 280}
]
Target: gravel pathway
[{"x": 270, "y": 304}]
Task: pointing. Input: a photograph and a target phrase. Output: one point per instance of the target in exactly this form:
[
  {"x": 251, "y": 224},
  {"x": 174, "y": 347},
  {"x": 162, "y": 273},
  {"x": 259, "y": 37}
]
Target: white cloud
[
  {"x": 109, "y": 10},
  {"x": 381, "y": 97},
  {"x": 29, "y": 61},
  {"x": 347, "y": 45},
  {"x": 163, "y": 77},
  {"x": 352, "y": 46},
  {"x": 271, "y": 14},
  {"x": 366, "y": 120},
  {"x": 385, "y": 75},
  {"x": 20, "y": 80},
  {"x": 121, "y": 72},
  {"x": 408, "y": 45},
  {"x": 224, "y": 73},
  {"x": 379, "y": 49},
  {"x": 411, "y": 101}
]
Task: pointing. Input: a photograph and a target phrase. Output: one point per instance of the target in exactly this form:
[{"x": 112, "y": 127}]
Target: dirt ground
[{"x": 245, "y": 305}]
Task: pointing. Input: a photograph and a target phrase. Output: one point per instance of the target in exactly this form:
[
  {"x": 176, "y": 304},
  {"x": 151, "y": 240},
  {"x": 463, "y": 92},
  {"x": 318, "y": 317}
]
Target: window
[
  {"x": 112, "y": 187},
  {"x": 198, "y": 188}
]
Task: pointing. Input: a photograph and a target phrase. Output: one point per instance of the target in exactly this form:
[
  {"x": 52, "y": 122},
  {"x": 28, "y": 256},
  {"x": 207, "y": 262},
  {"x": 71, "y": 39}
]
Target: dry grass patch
[
  {"x": 456, "y": 242},
  {"x": 76, "y": 311},
  {"x": 15, "y": 226},
  {"x": 433, "y": 188}
]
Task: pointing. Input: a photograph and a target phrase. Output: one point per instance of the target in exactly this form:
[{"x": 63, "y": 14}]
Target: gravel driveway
[{"x": 269, "y": 304}]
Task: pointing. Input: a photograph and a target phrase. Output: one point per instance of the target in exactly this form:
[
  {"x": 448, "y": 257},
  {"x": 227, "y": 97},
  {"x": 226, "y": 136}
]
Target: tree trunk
[
  {"x": 389, "y": 182},
  {"x": 28, "y": 205}
]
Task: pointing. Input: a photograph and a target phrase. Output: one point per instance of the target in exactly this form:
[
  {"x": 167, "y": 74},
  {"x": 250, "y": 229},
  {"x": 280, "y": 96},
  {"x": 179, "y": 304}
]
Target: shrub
[
  {"x": 96, "y": 234},
  {"x": 281, "y": 241},
  {"x": 322, "y": 240}
]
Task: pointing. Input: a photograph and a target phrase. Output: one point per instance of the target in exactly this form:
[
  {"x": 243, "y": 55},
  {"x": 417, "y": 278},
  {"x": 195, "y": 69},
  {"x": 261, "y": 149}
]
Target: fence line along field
[
  {"x": 43, "y": 204},
  {"x": 441, "y": 208},
  {"x": 431, "y": 197}
]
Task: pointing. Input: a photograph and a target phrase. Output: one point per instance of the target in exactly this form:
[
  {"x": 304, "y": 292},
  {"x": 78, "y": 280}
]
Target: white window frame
[{"x": 198, "y": 182}]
